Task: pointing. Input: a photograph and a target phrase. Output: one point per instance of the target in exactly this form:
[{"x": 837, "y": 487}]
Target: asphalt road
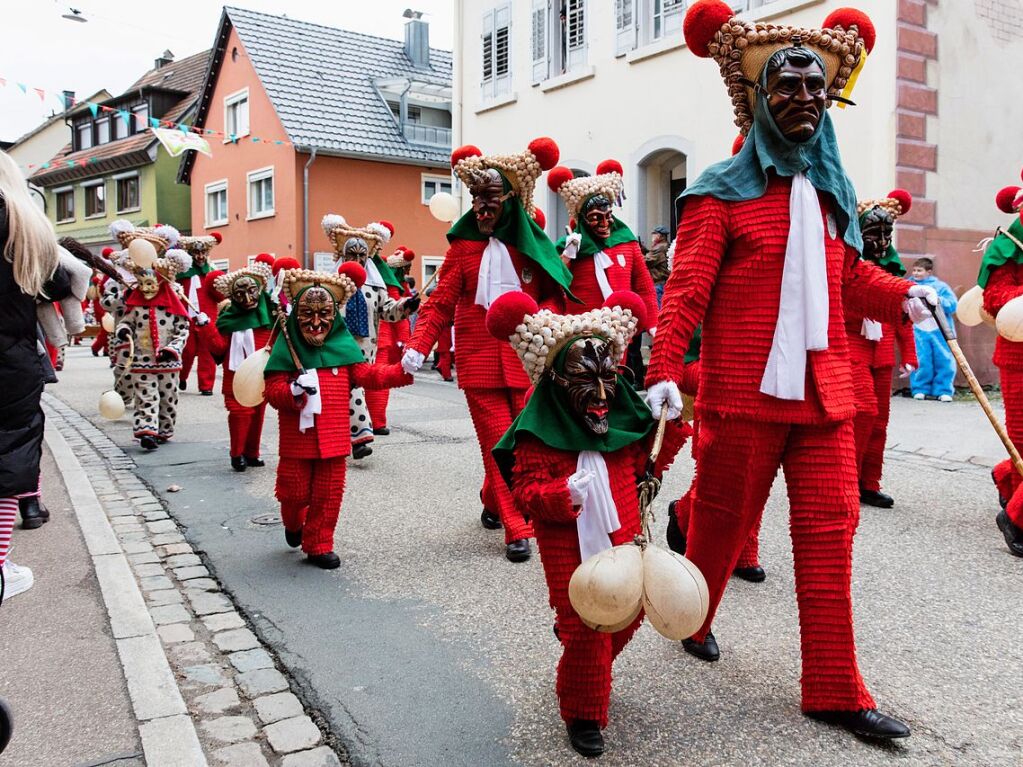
[{"x": 429, "y": 648}]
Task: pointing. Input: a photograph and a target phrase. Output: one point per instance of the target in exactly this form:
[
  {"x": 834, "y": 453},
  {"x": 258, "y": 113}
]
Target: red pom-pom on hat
[
  {"x": 738, "y": 144},
  {"x": 558, "y": 176},
  {"x": 540, "y": 218},
  {"x": 904, "y": 198},
  {"x": 704, "y": 19},
  {"x": 107, "y": 252},
  {"x": 545, "y": 151},
  {"x": 508, "y": 312},
  {"x": 408, "y": 254},
  {"x": 285, "y": 262},
  {"x": 847, "y": 18},
  {"x": 353, "y": 271},
  {"x": 465, "y": 151},
  {"x": 217, "y": 236},
  {"x": 610, "y": 166},
  {"x": 265, "y": 258},
  {"x": 1006, "y": 199},
  {"x": 388, "y": 226},
  {"x": 207, "y": 285},
  {"x": 627, "y": 299}
]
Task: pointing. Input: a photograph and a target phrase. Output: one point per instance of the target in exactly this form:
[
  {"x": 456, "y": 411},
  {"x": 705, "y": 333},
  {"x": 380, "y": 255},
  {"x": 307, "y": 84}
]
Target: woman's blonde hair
[{"x": 31, "y": 246}]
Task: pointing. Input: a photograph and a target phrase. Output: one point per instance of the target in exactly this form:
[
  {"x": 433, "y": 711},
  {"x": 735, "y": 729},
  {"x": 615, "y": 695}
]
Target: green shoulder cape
[
  {"x": 1001, "y": 250},
  {"x": 619, "y": 233},
  {"x": 232, "y": 318}
]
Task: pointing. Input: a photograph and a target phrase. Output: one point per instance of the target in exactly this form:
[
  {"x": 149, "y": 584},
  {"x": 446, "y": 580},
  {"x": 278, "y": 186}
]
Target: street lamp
[{"x": 73, "y": 14}]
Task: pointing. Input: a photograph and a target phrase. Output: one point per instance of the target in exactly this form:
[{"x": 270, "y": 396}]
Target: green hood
[
  {"x": 339, "y": 349},
  {"x": 233, "y": 318},
  {"x": 619, "y": 233}
]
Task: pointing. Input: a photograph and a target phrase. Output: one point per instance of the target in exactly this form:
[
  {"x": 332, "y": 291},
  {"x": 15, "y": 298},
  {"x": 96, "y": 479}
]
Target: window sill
[
  {"x": 129, "y": 210},
  {"x": 238, "y": 137},
  {"x": 98, "y": 215},
  {"x": 497, "y": 103},
  {"x": 656, "y": 48},
  {"x": 65, "y": 221},
  {"x": 211, "y": 224},
  {"x": 561, "y": 81},
  {"x": 258, "y": 216}
]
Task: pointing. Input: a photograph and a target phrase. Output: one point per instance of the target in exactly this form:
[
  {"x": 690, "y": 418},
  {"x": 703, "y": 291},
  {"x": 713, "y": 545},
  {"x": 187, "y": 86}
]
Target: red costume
[
  {"x": 196, "y": 350},
  {"x": 391, "y": 340},
  {"x": 102, "y": 339}
]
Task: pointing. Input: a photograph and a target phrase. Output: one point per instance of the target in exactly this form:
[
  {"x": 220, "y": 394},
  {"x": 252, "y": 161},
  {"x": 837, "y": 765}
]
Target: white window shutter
[
  {"x": 625, "y": 26},
  {"x": 502, "y": 50},
  {"x": 576, "y": 33},
  {"x": 487, "y": 57},
  {"x": 540, "y": 40}
]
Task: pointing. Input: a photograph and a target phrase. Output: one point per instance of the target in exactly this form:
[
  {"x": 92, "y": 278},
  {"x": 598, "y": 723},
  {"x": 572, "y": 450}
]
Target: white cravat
[
  {"x": 193, "y": 294},
  {"x": 803, "y": 308},
  {"x": 598, "y": 516},
  {"x": 243, "y": 343},
  {"x": 871, "y": 330},
  {"x": 601, "y": 261},
  {"x": 313, "y": 405},
  {"x": 373, "y": 278},
  {"x": 497, "y": 274}
]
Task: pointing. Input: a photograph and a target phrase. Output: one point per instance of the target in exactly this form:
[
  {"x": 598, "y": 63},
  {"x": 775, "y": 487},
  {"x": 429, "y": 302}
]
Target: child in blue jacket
[{"x": 933, "y": 379}]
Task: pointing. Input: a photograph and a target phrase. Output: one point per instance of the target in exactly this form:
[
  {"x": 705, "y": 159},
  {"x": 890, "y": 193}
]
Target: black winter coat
[{"x": 21, "y": 376}]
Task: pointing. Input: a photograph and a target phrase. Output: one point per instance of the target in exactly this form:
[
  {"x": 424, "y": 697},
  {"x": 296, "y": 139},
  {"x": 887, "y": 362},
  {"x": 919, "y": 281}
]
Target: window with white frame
[
  {"x": 434, "y": 184},
  {"x": 496, "y": 50},
  {"x": 127, "y": 189},
  {"x": 103, "y": 131},
  {"x": 236, "y": 114},
  {"x": 95, "y": 200},
  {"x": 641, "y": 22},
  {"x": 84, "y": 136},
  {"x": 558, "y": 37},
  {"x": 216, "y": 203},
  {"x": 430, "y": 266},
  {"x": 119, "y": 127},
  {"x": 221, "y": 264},
  {"x": 141, "y": 113},
  {"x": 65, "y": 199},
  {"x": 261, "y": 193}
]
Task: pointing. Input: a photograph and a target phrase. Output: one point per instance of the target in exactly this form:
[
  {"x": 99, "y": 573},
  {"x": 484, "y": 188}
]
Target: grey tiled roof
[{"x": 320, "y": 80}]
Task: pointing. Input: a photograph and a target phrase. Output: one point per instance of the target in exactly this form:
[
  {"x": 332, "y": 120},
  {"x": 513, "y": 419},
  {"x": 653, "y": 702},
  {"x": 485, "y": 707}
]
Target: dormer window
[
  {"x": 103, "y": 131},
  {"x": 83, "y": 136},
  {"x": 141, "y": 115}
]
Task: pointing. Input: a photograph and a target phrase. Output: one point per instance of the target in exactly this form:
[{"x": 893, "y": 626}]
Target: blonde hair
[{"x": 31, "y": 246}]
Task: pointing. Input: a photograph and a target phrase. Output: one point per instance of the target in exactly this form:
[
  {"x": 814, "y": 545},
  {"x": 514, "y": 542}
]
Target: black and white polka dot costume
[{"x": 112, "y": 301}]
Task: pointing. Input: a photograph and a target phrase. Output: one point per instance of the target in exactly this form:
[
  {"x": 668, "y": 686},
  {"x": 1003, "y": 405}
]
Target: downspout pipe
[{"x": 305, "y": 209}]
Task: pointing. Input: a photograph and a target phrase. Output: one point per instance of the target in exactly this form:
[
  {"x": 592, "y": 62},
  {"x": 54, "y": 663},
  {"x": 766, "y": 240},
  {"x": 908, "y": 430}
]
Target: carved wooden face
[
  {"x": 315, "y": 313},
  {"x": 356, "y": 249},
  {"x": 598, "y": 218},
  {"x": 877, "y": 234},
  {"x": 148, "y": 284},
  {"x": 487, "y": 189},
  {"x": 590, "y": 380},
  {"x": 797, "y": 99},
  {"x": 245, "y": 291},
  {"x": 200, "y": 256}
]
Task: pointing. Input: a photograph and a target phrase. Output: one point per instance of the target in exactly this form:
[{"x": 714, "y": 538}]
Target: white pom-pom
[
  {"x": 180, "y": 260},
  {"x": 381, "y": 231},
  {"x": 168, "y": 233},
  {"x": 332, "y": 221},
  {"x": 119, "y": 226}
]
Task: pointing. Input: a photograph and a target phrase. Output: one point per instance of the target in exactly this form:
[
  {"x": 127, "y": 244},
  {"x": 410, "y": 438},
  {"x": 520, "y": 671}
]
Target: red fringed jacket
[
  {"x": 628, "y": 271},
  {"x": 1005, "y": 284}
]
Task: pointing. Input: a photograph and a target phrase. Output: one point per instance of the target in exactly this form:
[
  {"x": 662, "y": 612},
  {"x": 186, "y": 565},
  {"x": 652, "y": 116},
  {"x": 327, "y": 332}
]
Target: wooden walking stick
[
  {"x": 282, "y": 321},
  {"x": 650, "y": 485},
  {"x": 953, "y": 344}
]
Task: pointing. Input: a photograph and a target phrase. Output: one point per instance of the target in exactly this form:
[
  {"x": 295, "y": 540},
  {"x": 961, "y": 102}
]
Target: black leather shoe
[
  {"x": 706, "y": 650},
  {"x": 868, "y": 723},
  {"x": 753, "y": 574},
  {"x": 207, "y": 392},
  {"x": 256, "y": 463},
  {"x": 676, "y": 539},
  {"x": 328, "y": 561},
  {"x": 361, "y": 451},
  {"x": 382, "y": 431},
  {"x": 293, "y": 537},
  {"x": 238, "y": 462},
  {"x": 876, "y": 499},
  {"x": 1013, "y": 535},
  {"x": 489, "y": 520},
  {"x": 518, "y": 551},
  {"x": 183, "y": 384},
  {"x": 33, "y": 513},
  {"x": 585, "y": 737},
  {"x": 149, "y": 443}
]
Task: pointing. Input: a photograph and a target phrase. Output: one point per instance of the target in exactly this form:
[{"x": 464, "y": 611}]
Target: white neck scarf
[
  {"x": 193, "y": 294},
  {"x": 871, "y": 330},
  {"x": 497, "y": 274},
  {"x": 601, "y": 261},
  {"x": 598, "y": 517},
  {"x": 803, "y": 309},
  {"x": 373, "y": 278},
  {"x": 313, "y": 405},
  {"x": 243, "y": 343}
]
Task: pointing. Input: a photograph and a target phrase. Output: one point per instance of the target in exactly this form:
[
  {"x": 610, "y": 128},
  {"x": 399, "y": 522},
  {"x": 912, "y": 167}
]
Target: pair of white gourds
[{"x": 1008, "y": 323}]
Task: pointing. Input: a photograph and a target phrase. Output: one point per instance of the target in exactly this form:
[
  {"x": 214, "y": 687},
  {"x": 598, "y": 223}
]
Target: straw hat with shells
[
  {"x": 342, "y": 285},
  {"x": 161, "y": 236},
  {"x": 401, "y": 258},
  {"x": 338, "y": 231},
  {"x": 897, "y": 203},
  {"x": 522, "y": 170},
  {"x": 261, "y": 273},
  {"x": 576, "y": 191},
  {"x": 199, "y": 245}
]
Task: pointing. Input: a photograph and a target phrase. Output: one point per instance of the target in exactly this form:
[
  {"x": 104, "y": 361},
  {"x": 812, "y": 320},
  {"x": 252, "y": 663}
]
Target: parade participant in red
[
  {"x": 283, "y": 264},
  {"x": 872, "y": 348},
  {"x": 242, "y": 327},
  {"x": 496, "y": 247},
  {"x": 574, "y": 456},
  {"x": 314, "y": 364},
  {"x": 1001, "y": 277},
  {"x": 391, "y": 338},
  {"x": 102, "y": 339},
  {"x": 602, "y": 252},
  {"x": 767, "y": 256},
  {"x": 191, "y": 283}
]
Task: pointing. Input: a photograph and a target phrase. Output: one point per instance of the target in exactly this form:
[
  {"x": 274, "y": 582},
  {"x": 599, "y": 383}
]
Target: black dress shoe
[
  {"x": 585, "y": 737},
  {"x": 868, "y": 723},
  {"x": 1013, "y": 535},
  {"x": 207, "y": 392},
  {"x": 183, "y": 384},
  {"x": 293, "y": 537},
  {"x": 148, "y": 443},
  {"x": 490, "y": 520},
  {"x": 876, "y": 499},
  {"x": 328, "y": 561},
  {"x": 753, "y": 574},
  {"x": 676, "y": 538},
  {"x": 33, "y": 513},
  {"x": 256, "y": 463},
  {"x": 706, "y": 650},
  {"x": 361, "y": 451},
  {"x": 238, "y": 462},
  {"x": 518, "y": 551},
  {"x": 382, "y": 431}
]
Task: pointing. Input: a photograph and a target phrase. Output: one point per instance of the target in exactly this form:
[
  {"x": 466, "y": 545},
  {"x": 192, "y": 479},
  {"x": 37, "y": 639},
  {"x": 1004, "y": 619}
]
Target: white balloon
[
  {"x": 606, "y": 590},
  {"x": 108, "y": 323},
  {"x": 970, "y": 303},
  {"x": 142, "y": 253},
  {"x": 675, "y": 594},
  {"x": 1009, "y": 321},
  {"x": 444, "y": 207},
  {"x": 111, "y": 406},
  {"x": 248, "y": 379}
]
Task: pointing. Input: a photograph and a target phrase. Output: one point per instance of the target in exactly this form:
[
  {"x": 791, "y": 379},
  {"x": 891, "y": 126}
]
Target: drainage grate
[{"x": 266, "y": 520}]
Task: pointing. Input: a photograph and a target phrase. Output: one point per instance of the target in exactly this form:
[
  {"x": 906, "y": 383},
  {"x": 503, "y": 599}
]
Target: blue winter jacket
[{"x": 949, "y": 302}]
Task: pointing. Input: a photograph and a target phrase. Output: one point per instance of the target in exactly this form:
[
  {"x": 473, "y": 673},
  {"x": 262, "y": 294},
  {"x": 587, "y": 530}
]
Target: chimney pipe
[
  {"x": 69, "y": 100},
  {"x": 417, "y": 40},
  {"x": 164, "y": 60}
]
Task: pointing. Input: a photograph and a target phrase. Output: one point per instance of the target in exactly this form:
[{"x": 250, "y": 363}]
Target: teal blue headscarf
[{"x": 744, "y": 176}]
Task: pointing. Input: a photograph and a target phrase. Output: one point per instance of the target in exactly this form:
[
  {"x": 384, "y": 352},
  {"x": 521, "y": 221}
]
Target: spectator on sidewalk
[
  {"x": 933, "y": 379},
  {"x": 657, "y": 260},
  {"x": 29, "y": 272}
]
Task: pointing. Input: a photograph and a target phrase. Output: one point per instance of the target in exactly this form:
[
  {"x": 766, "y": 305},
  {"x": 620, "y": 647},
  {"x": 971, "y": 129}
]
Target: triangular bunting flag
[
  {"x": 24, "y": 88},
  {"x": 94, "y": 108},
  {"x": 40, "y": 93}
]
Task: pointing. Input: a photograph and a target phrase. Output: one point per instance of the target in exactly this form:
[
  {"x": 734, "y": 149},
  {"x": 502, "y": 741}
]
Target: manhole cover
[{"x": 268, "y": 520}]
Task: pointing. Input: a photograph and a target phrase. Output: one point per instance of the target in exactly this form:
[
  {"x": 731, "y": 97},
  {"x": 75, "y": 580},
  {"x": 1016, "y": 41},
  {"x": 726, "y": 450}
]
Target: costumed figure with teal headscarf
[
  {"x": 314, "y": 365},
  {"x": 1001, "y": 278},
  {"x": 496, "y": 247},
  {"x": 243, "y": 326},
  {"x": 768, "y": 258},
  {"x": 191, "y": 282},
  {"x": 573, "y": 458},
  {"x": 371, "y": 305},
  {"x": 872, "y": 348}
]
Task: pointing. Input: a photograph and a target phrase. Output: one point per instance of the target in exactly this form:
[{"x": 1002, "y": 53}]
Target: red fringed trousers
[
  {"x": 388, "y": 353},
  {"x": 872, "y": 429},
  {"x": 198, "y": 351},
  {"x": 493, "y": 411},
  {"x": 310, "y": 491},
  {"x": 245, "y": 425},
  {"x": 1006, "y": 478},
  {"x": 738, "y": 462}
]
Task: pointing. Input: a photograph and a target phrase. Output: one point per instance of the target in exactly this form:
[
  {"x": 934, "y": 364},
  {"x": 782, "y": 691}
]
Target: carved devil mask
[
  {"x": 315, "y": 313},
  {"x": 356, "y": 249},
  {"x": 876, "y": 225},
  {"x": 597, "y": 217},
  {"x": 487, "y": 189},
  {"x": 589, "y": 378},
  {"x": 245, "y": 292}
]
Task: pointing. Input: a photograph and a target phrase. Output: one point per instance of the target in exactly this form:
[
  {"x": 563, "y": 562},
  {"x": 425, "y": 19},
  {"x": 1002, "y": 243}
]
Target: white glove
[
  {"x": 411, "y": 361},
  {"x": 905, "y": 371},
  {"x": 303, "y": 384},
  {"x": 579, "y": 485},
  {"x": 202, "y": 319},
  {"x": 664, "y": 393},
  {"x": 572, "y": 243},
  {"x": 652, "y": 331},
  {"x": 914, "y": 305}
]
